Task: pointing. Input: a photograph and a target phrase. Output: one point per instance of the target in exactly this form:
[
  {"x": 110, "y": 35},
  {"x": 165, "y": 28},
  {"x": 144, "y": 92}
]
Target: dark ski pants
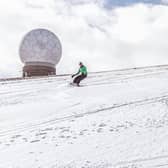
[{"x": 78, "y": 79}]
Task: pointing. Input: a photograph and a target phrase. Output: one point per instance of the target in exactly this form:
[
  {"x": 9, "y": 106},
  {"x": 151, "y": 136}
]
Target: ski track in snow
[{"x": 119, "y": 119}]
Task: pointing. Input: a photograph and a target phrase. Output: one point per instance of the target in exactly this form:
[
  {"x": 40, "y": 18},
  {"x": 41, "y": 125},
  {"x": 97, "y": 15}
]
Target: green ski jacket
[{"x": 83, "y": 70}]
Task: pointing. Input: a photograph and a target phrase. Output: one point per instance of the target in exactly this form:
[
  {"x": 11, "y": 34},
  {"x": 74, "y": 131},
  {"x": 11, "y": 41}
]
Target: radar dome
[{"x": 40, "y": 51}]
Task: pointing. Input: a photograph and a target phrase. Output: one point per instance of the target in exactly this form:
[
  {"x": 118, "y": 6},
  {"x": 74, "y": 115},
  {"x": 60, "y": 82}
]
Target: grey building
[{"x": 40, "y": 51}]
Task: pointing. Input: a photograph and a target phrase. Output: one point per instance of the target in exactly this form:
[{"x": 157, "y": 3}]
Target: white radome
[{"x": 40, "y": 46}]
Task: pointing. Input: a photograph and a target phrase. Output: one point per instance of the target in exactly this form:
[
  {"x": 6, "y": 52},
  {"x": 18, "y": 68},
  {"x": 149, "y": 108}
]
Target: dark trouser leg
[{"x": 78, "y": 79}]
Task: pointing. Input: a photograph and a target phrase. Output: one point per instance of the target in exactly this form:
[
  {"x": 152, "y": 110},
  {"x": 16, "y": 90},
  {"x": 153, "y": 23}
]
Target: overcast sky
[{"x": 104, "y": 34}]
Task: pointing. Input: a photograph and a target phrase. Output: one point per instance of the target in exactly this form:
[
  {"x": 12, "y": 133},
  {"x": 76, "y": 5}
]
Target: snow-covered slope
[{"x": 118, "y": 119}]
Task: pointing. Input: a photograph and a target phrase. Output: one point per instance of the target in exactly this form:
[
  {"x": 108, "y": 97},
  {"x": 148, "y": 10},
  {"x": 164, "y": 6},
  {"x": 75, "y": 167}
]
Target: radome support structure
[{"x": 40, "y": 51}]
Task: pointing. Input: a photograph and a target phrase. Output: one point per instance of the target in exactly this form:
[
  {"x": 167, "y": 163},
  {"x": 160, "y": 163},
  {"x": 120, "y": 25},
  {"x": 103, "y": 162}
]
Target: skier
[{"x": 83, "y": 74}]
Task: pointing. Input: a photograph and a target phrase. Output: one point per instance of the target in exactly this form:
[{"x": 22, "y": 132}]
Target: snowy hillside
[{"x": 118, "y": 119}]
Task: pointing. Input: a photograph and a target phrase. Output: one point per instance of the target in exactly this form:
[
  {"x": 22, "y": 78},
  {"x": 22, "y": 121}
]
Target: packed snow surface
[{"x": 117, "y": 119}]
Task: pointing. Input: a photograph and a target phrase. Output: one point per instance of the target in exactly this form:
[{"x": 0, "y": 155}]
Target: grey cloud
[{"x": 104, "y": 39}]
